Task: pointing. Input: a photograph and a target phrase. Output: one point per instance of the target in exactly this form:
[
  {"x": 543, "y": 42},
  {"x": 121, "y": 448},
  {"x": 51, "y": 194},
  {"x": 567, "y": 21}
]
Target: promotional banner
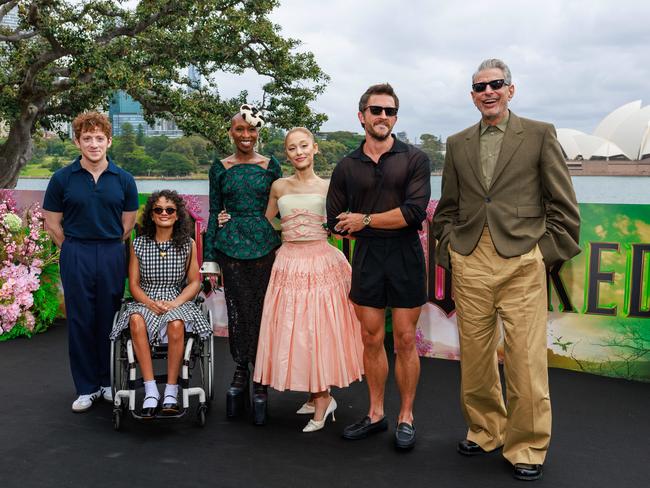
[{"x": 599, "y": 302}]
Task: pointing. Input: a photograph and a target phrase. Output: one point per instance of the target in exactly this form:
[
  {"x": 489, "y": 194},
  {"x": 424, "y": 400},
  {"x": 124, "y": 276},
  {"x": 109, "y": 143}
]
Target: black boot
[
  {"x": 260, "y": 401},
  {"x": 237, "y": 397}
]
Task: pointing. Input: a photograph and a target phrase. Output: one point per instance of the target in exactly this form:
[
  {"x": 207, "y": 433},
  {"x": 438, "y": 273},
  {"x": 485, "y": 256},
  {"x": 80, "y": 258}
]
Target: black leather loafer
[
  {"x": 528, "y": 472},
  {"x": 404, "y": 436},
  {"x": 364, "y": 428},
  {"x": 469, "y": 448}
]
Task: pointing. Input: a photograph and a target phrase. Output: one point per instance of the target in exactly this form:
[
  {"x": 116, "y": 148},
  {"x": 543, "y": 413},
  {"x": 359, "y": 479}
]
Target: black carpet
[{"x": 601, "y": 435}]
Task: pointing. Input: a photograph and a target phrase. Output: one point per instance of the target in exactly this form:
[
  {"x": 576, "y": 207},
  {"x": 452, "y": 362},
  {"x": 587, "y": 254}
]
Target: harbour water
[{"x": 589, "y": 189}]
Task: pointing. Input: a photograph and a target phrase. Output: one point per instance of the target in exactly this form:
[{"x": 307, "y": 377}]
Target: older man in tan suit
[{"x": 507, "y": 212}]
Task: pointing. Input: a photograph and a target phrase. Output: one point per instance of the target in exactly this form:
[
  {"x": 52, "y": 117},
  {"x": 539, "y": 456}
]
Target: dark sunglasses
[
  {"x": 494, "y": 84},
  {"x": 377, "y": 110},
  {"x": 168, "y": 210}
]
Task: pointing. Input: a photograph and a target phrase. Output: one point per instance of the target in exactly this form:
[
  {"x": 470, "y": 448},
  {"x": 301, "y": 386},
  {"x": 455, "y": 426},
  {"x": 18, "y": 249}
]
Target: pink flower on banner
[{"x": 423, "y": 346}]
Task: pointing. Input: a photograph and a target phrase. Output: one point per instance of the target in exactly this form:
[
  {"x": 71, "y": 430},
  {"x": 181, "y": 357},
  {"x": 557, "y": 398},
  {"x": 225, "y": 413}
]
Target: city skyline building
[
  {"x": 124, "y": 109},
  {"x": 10, "y": 19}
]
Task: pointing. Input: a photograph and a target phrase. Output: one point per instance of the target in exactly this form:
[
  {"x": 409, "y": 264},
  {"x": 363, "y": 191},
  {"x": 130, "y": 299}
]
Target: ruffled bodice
[
  {"x": 303, "y": 216},
  {"x": 243, "y": 192}
]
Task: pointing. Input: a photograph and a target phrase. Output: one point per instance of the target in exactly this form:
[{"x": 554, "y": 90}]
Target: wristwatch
[{"x": 366, "y": 220}]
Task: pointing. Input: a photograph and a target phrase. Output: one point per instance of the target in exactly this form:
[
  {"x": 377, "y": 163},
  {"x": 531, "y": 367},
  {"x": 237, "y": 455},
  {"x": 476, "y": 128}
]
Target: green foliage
[
  {"x": 127, "y": 138},
  {"x": 137, "y": 162},
  {"x": 68, "y": 56},
  {"x": 350, "y": 140},
  {"x": 55, "y": 165},
  {"x": 154, "y": 146},
  {"x": 434, "y": 147},
  {"x": 329, "y": 153},
  {"x": 175, "y": 164},
  {"x": 139, "y": 136},
  {"x": 46, "y": 298}
]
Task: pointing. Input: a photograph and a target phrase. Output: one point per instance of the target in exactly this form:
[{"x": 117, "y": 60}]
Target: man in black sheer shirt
[{"x": 378, "y": 194}]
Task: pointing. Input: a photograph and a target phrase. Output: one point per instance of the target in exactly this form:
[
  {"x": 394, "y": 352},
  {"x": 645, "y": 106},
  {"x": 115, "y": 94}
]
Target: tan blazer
[{"x": 530, "y": 201}]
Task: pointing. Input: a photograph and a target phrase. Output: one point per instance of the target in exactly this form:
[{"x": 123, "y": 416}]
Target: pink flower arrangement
[
  {"x": 25, "y": 249},
  {"x": 193, "y": 207}
]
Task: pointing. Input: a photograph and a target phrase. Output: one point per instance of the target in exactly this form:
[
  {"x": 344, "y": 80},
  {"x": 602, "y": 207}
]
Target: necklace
[{"x": 163, "y": 250}]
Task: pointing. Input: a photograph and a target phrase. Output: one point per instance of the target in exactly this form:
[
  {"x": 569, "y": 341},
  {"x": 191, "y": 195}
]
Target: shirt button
[{"x": 488, "y": 199}]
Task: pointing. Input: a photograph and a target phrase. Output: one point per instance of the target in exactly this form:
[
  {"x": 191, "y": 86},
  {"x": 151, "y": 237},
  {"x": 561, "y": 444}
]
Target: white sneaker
[
  {"x": 107, "y": 393},
  {"x": 84, "y": 402}
]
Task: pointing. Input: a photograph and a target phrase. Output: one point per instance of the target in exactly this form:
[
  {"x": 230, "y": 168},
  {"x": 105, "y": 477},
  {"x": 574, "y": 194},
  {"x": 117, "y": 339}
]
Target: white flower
[{"x": 12, "y": 222}]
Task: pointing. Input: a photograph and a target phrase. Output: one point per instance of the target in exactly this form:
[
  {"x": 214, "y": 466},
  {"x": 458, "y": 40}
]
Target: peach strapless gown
[{"x": 310, "y": 338}]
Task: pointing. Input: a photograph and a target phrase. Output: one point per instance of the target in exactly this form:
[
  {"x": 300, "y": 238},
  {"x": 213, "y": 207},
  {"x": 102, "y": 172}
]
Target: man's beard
[{"x": 375, "y": 135}]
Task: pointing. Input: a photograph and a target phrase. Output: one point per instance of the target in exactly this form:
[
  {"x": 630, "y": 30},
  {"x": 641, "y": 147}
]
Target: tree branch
[
  {"x": 17, "y": 36},
  {"x": 137, "y": 28}
]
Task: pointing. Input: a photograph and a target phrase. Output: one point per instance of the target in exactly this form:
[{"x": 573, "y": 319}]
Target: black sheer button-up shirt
[{"x": 401, "y": 178}]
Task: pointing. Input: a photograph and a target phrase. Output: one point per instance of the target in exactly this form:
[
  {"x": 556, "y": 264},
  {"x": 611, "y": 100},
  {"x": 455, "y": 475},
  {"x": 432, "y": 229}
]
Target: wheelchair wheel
[
  {"x": 201, "y": 414},
  {"x": 207, "y": 364},
  {"x": 117, "y": 419},
  {"x": 118, "y": 365}
]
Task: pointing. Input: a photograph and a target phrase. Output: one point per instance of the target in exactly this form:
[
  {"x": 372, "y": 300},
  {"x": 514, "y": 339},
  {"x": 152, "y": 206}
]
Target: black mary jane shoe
[
  {"x": 260, "y": 403},
  {"x": 527, "y": 472},
  {"x": 364, "y": 428},
  {"x": 405, "y": 436},
  {"x": 170, "y": 405},
  {"x": 150, "y": 412},
  {"x": 469, "y": 448},
  {"x": 237, "y": 396}
]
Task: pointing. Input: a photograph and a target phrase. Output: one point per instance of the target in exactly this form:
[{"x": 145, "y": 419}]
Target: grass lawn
[{"x": 36, "y": 171}]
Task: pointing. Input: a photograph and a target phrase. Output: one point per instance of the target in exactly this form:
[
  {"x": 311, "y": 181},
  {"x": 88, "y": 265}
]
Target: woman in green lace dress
[{"x": 243, "y": 244}]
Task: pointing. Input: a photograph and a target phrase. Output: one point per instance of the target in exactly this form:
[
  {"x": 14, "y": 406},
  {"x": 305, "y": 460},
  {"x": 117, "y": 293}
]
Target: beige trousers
[{"x": 486, "y": 285}]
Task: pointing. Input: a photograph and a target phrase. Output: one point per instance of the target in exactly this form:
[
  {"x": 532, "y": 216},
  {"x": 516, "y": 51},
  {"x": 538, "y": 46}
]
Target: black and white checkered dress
[{"x": 162, "y": 278}]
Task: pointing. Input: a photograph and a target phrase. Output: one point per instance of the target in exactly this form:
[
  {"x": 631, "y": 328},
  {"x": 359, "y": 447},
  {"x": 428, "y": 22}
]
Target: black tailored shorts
[{"x": 388, "y": 272}]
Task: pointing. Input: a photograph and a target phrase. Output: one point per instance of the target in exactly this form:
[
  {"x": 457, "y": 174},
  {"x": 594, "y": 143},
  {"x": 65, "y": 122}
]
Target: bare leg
[
  {"x": 407, "y": 361},
  {"x": 140, "y": 339},
  {"x": 321, "y": 402},
  {"x": 375, "y": 363},
  {"x": 175, "y": 334}
]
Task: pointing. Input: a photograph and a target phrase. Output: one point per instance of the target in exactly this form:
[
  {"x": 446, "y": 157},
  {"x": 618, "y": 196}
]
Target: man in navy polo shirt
[{"x": 90, "y": 208}]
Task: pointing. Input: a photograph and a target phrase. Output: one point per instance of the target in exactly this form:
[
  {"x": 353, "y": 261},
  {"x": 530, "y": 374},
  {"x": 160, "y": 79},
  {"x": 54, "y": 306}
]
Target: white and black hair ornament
[{"x": 252, "y": 115}]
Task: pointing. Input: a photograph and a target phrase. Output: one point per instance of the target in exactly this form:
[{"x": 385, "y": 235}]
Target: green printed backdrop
[{"x": 604, "y": 327}]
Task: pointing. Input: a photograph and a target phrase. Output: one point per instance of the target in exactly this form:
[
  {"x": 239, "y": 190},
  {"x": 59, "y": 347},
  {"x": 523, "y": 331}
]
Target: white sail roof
[{"x": 624, "y": 133}]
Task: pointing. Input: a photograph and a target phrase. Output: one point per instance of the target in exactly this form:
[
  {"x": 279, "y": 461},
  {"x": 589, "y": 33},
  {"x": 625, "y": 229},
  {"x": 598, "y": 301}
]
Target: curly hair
[
  {"x": 91, "y": 121},
  {"x": 182, "y": 227}
]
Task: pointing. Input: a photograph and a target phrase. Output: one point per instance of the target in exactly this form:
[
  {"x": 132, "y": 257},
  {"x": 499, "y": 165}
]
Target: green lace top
[{"x": 243, "y": 191}]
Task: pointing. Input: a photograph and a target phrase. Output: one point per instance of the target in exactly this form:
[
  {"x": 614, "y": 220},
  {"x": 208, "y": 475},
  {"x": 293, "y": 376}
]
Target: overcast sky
[{"x": 572, "y": 61}]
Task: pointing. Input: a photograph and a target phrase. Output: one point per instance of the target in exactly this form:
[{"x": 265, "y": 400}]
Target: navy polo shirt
[{"x": 91, "y": 210}]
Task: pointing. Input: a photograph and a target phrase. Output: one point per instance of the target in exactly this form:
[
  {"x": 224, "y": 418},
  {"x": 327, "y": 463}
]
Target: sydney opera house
[{"x": 624, "y": 135}]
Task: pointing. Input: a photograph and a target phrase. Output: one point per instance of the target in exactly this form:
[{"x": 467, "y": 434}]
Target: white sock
[
  {"x": 170, "y": 391},
  {"x": 150, "y": 390}
]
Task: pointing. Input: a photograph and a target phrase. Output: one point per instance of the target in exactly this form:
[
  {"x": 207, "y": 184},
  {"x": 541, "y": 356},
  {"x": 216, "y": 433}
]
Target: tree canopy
[{"x": 68, "y": 56}]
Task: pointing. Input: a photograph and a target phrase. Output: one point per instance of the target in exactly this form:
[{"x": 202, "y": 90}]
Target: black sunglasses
[
  {"x": 494, "y": 84},
  {"x": 168, "y": 210},
  {"x": 377, "y": 110}
]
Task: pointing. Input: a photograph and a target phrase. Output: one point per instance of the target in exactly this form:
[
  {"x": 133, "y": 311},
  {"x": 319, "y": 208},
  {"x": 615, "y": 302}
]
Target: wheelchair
[{"x": 198, "y": 355}]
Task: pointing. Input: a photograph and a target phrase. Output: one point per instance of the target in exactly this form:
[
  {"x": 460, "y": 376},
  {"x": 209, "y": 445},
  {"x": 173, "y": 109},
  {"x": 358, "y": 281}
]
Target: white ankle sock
[
  {"x": 170, "y": 391},
  {"x": 151, "y": 390}
]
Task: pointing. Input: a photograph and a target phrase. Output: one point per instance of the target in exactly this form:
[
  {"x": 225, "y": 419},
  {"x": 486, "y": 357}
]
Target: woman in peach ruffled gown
[{"x": 310, "y": 338}]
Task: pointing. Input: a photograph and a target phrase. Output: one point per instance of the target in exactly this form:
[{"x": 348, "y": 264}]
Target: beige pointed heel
[{"x": 314, "y": 425}]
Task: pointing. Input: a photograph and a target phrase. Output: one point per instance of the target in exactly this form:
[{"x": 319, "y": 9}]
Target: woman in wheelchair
[{"x": 163, "y": 279}]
